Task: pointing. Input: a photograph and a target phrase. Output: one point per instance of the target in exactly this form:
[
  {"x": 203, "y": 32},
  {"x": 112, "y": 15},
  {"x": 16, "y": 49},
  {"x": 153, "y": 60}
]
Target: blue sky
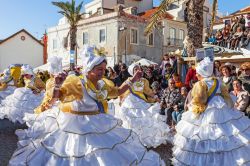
[{"x": 37, "y": 15}]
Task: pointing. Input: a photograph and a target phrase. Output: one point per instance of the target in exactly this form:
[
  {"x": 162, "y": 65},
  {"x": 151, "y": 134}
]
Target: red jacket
[{"x": 191, "y": 75}]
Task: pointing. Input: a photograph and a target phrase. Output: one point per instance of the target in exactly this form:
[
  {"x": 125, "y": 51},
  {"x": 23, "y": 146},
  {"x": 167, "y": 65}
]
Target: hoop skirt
[
  {"x": 22, "y": 101},
  {"x": 59, "y": 138},
  {"x": 220, "y": 136},
  {"x": 145, "y": 120},
  {"x": 8, "y": 91}
]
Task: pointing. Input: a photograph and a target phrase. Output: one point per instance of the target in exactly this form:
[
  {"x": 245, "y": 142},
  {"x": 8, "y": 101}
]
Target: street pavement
[{"x": 8, "y": 140}]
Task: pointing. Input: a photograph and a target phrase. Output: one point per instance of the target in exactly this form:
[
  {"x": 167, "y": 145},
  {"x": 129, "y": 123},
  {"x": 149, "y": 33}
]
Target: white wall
[
  {"x": 58, "y": 33},
  {"x": 15, "y": 50},
  {"x": 177, "y": 25},
  {"x": 93, "y": 6}
]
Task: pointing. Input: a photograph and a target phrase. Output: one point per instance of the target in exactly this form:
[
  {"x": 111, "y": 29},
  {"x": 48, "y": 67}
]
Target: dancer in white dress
[
  {"x": 83, "y": 134},
  {"x": 9, "y": 81},
  {"x": 212, "y": 132},
  {"x": 24, "y": 99},
  {"x": 141, "y": 116}
]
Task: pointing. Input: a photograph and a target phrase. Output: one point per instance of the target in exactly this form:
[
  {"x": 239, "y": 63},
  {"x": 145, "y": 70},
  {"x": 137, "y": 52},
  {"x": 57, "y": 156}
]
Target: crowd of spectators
[
  {"x": 175, "y": 95},
  {"x": 233, "y": 36}
]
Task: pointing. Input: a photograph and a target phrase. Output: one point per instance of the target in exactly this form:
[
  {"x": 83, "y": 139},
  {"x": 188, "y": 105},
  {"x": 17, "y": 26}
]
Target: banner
[
  {"x": 72, "y": 56},
  {"x": 201, "y": 53}
]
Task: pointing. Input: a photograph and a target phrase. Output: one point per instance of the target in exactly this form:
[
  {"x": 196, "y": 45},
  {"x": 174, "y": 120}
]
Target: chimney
[{"x": 45, "y": 46}]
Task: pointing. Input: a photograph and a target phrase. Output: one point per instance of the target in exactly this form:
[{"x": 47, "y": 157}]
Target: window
[
  {"x": 134, "y": 36},
  {"x": 102, "y": 35},
  {"x": 181, "y": 34},
  {"x": 65, "y": 42},
  {"x": 85, "y": 38},
  {"x": 150, "y": 39},
  {"x": 54, "y": 44},
  {"x": 120, "y": 1},
  {"x": 172, "y": 33},
  {"x": 172, "y": 36}
]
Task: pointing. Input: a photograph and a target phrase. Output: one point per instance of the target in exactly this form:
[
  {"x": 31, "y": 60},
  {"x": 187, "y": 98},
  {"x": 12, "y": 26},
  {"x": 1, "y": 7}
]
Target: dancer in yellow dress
[
  {"x": 212, "y": 132},
  {"x": 82, "y": 133}
]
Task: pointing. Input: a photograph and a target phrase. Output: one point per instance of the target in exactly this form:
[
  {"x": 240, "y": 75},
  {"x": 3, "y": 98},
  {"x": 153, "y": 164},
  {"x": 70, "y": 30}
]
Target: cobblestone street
[{"x": 8, "y": 143}]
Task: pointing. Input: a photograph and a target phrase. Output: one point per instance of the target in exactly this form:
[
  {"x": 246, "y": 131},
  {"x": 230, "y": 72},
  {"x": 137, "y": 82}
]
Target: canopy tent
[
  {"x": 145, "y": 62},
  {"x": 224, "y": 54}
]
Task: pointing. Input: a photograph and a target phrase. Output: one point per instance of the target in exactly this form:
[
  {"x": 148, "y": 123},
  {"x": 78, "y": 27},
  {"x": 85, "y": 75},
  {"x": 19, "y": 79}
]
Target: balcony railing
[{"x": 174, "y": 42}]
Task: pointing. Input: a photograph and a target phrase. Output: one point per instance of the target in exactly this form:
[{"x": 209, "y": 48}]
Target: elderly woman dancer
[
  {"x": 212, "y": 132},
  {"x": 84, "y": 133}
]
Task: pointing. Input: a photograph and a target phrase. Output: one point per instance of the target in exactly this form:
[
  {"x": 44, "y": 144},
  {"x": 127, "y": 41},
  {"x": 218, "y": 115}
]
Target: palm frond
[
  {"x": 69, "y": 10},
  {"x": 158, "y": 15}
]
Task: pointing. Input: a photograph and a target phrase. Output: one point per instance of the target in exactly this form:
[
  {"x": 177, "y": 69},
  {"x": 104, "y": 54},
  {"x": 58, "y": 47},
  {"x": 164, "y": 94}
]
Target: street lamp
[{"x": 123, "y": 28}]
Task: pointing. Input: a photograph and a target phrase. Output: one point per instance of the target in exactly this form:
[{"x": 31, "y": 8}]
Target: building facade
[
  {"x": 120, "y": 30},
  {"x": 21, "y": 48}
]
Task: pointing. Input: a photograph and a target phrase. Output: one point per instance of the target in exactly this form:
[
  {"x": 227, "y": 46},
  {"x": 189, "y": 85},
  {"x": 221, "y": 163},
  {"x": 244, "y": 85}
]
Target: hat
[
  {"x": 91, "y": 57},
  {"x": 27, "y": 69},
  {"x": 55, "y": 65},
  {"x": 131, "y": 68},
  {"x": 205, "y": 67},
  {"x": 245, "y": 65}
]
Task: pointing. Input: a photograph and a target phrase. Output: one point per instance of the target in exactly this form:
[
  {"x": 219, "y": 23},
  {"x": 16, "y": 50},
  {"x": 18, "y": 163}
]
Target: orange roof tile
[{"x": 148, "y": 14}]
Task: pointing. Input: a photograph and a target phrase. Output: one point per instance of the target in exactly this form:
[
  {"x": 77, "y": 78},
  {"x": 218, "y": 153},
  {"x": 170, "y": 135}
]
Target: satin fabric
[
  {"x": 219, "y": 137},
  {"x": 22, "y": 101},
  {"x": 144, "y": 120}
]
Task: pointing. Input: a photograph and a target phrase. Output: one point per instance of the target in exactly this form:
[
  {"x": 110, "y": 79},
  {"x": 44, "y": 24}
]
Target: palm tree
[
  {"x": 214, "y": 8},
  {"x": 194, "y": 22},
  {"x": 73, "y": 15}
]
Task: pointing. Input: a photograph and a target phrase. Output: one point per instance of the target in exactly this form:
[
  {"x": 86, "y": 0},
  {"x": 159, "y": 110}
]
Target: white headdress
[
  {"x": 27, "y": 69},
  {"x": 6, "y": 75},
  {"x": 91, "y": 57},
  {"x": 205, "y": 67},
  {"x": 131, "y": 68},
  {"x": 55, "y": 65}
]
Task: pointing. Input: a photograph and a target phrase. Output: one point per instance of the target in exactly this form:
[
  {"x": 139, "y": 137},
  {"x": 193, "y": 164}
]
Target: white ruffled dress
[
  {"x": 22, "y": 101},
  {"x": 220, "y": 136},
  {"x": 6, "y": 92},
  {"x": 60, "y": 138},
  {"x": 144, "y": 119}
]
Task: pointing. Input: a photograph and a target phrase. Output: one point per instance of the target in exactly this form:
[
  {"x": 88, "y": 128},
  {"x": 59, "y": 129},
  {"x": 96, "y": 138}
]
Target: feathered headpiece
[
  {"x": 91, "y": 57},
  {"x": 55, "y": 65},
  {"x": 205, "y": 67}
]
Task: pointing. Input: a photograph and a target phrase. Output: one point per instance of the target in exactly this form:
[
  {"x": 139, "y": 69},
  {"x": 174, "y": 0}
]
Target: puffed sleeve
[
  {"x": 48, "y": 95},
  {"x": 39, "y": 84},
  {"x": 199, "y": 97},
  {"x": 71, "y": 89},
  {"x": 3, "y": 86},
  {"x": 226, "y": 95},
  {"x": 112, "y": 90},
  {"x": 147, "y": 90}
]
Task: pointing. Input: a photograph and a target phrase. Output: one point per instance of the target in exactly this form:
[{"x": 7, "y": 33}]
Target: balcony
[{"x": 174, "y": 42}]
